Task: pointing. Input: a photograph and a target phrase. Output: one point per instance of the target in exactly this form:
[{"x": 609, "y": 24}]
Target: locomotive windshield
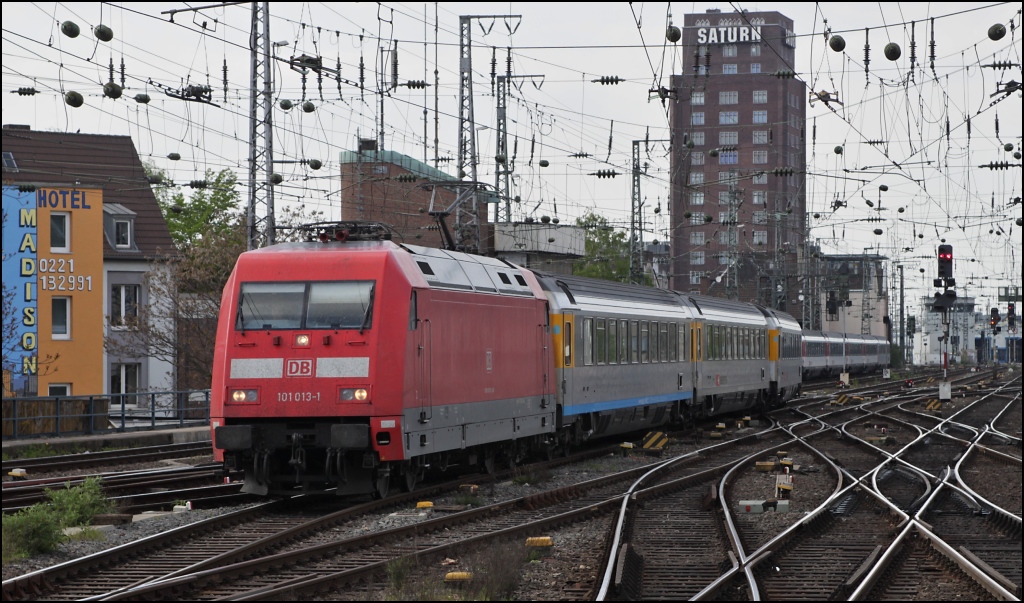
[{"x": 319, "y": 305}]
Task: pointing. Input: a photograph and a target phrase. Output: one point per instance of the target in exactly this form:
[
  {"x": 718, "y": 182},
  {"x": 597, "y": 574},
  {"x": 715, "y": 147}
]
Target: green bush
[
  {"x": 30, "y": 532},
  {"x": 76, "y": 506}
]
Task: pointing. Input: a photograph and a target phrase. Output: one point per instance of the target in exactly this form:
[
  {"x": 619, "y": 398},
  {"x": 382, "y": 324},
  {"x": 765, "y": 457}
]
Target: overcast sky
[{"x": 934, "y": 178}]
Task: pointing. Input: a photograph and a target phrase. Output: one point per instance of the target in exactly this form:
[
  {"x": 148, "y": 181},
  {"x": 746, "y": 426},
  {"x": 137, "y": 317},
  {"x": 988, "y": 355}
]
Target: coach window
[
  {"x": 699, "y": 344},
  {"x": 645, "y": 342},
  {"x": 663, "y": 341},
  {"x": 654, "y": 342},
  {"x": 673, "y": 342},
  {"x": 567, "y": 339},
  {"x": 634, "y": 342},
  {"x": 623, "y": 342},
  {"x": 601, "y": 341},
  {"x": 588, "y": 341},
  {"x": 613, "y": 343}
]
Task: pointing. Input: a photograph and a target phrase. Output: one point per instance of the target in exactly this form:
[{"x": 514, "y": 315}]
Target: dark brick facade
[{"x": 744, "y": 122}]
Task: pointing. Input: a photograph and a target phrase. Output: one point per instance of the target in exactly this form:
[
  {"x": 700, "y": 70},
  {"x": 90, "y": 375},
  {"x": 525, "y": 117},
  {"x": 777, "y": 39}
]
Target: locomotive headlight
[
  {"x": 244, "y": 395},
  {"x": 302, "y": 340},
  {"x": 356, "y": 395}
]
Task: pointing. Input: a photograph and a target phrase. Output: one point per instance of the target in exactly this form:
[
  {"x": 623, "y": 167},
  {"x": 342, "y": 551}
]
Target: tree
[
  {"x": 607, "y": 250},
  {"x": 213, "y": 205}
]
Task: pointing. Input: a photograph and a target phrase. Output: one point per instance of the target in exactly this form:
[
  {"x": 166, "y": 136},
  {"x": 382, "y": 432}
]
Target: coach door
[
  {"x": 696, "y": 351},
  {"x": 423, "y": 370},
  {"x": 567, "y": 353}
]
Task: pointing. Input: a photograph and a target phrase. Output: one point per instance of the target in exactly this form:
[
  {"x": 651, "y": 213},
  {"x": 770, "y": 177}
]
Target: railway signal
[{"x": 1011, "y": 316}]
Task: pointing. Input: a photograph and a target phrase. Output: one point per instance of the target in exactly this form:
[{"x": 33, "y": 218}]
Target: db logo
[{"x": 299, "y": 368}]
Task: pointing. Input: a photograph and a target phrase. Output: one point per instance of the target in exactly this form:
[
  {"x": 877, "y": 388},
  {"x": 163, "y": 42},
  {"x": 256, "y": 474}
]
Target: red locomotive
[{"x": 328, "y": 356}]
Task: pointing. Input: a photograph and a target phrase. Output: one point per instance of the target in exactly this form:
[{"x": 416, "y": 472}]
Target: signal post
[{"x": 943, "y": 303}]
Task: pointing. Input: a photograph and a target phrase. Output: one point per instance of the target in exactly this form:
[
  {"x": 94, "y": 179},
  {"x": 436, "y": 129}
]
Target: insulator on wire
[
  {"x": 608, "y": 80},
  {"x": 198, "y": 184},
  {"x": 931, "y": 47},
  {"x": 225, "y": 69},
  {"x": 605, "y": 173},
  {"x": 913, "y": 47},
  {"x": 26, "y": 91},
  {"x": 416, "y": 84},
  {"x": 867, "y": 54}
]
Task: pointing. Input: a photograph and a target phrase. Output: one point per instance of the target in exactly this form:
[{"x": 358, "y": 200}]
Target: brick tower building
[{"x": 738, "y": 198}]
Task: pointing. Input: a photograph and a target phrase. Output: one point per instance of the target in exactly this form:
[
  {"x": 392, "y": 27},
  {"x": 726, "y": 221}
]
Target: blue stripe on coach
[{"x": 577, "y": 409}]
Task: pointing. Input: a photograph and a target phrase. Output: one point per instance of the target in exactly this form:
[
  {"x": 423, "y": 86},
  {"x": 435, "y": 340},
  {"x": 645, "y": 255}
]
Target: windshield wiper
[{"x": 369, "y": 310}]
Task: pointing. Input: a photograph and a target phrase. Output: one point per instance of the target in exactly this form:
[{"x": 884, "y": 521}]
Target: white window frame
[
  {"x": 728, "y": 118},
  {"x": 697, "y": 98},
  {"x": 128, "y": 231},
  {"x": 117, "y": 369},
  {"x": 696, "y": 198},
  {"x": 729, "y": 50},
  {"x": 67, "y": 319},
  {"x": 52, "y": 386},
  {"x": 729, "y": 97},
  {"x": 696, "y": 177},
  {"x": 760, "y": 137},
  {"x": 696, "y": 258},
  {"x": 755, "y": 68},
  {"x": 117, "y": 319},
  {"x": 760, "y": 217},
  {"x": 761, "y": 156},
  {"x": 728, "y": 138},
  {"x": 697, "y": 158},
  {"x": 760, "y": 117},
  {"x": 728, "y": 158},
  {"x": 697, "y": 218},
  {"x": 755, "y": 50},
  {"x": 730, "y": 69},
  {"x": 66, "y": 216},
  {"x": 760, "y": 178},
  {"x": 697, "y": 138},
  {"x": 695, "y": 276},
  {"x": 697, "y": 118},
  {"x": 697, "y": 238},
  {"x": 760, "y": 237},
  {"x": 759, "y": 197},
  {"x": 760, "y": 97}
]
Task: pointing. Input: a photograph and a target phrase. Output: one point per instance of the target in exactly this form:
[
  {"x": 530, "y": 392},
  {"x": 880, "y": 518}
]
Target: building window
[
  {"x": 728, "y": 118},
  {"x": 124, "y": 304},
  {"x": 696, "y": 177},
  {"x": 723, "y": 217},
  {"x": 723, "y": 258},
  {"x": 760, "y": 156},
  {"x": 728, "y": 138},
  {"x": 760, "y": 97},
  {"x": 755, "y": 50},
  {"x": 58, "y": 389},
  {"x": 124, "y": 382},
  {"x": 728, "y": 157},
  {"x": 697, "y": 98},
  {"x": 760, "y": 117},
  {"x": 60, "y": 235},
  {"x": 695, "y": 277},
  {"x": 761, "y": 178},
  {"x": 760, "y": 237},
  {"x": 696, "y": 198},
  {"x": 760, "y": 197},
  {"x": 696, "y": 238},
  {"x": 760, "y": 136},
  {"x": 697, "y": 258},
  {"x": 728, "y": 98},
  {"x": 10, "y": 165},
  {"x": 728, "y": 238},
  {"x": 122, "y": 233},
  {"x": 729, "y": 69},
  {"x": 755, "y": 68},
  {"x": 697, "y": 218},
  {"x": 702, "y": 69},
  {"x": 725, "y": 197},
  {"x": 61, "y": 313},
  {"x": 729, "y": 50},
  {"x": 760, "y": 217},
  {"x": 697, "y": 118},
  {"x": 697, "y": 138},
  {"x": 728, "y": 177},
  {"x": 697, "y": 158}
]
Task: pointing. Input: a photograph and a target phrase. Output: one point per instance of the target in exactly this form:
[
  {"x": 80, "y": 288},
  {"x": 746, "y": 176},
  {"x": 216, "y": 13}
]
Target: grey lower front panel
[{"x": 459, "y": 426}]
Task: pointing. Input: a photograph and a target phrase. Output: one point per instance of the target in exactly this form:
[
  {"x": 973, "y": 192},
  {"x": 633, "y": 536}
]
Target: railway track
[
  {"x": 919, "y": 572},
  {"x": 319, "y": 559},
  {"x": 994, "y": 477},
  {"x": 84, "y": 460}
]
